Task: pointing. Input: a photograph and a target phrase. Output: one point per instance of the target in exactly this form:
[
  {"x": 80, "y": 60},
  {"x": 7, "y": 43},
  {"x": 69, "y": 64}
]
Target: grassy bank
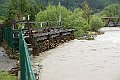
[{"x": 7, "y": 76}]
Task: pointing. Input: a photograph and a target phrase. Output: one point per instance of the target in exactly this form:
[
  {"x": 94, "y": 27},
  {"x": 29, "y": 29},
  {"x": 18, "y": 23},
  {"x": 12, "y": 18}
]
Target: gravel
[{"x": 5, "y": 62}]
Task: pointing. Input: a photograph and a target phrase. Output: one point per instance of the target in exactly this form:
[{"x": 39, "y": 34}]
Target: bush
[
  {"x": 96, "y": 23},
  {"x": 112, "y": 10},
  {"x": 77, "y": 22},
  {"x": 2, "y": 19},
  {"x": 52, "y": 14}
]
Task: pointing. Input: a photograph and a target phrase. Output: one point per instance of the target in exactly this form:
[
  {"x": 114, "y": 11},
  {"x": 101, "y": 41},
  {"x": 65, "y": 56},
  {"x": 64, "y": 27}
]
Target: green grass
[{"x": 7, "y": 76}]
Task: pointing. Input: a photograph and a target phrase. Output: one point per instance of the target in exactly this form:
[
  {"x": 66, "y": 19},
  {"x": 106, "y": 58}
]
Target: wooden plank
[{"x": 53, "y": 36}]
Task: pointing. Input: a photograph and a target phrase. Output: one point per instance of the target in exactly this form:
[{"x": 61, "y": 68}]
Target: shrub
[
  {"x": 96, "y": 23},
  {"x": 52, "y": 14},
  {"x": 112, "y": 10},
  {"x": 77, "y": 22}
]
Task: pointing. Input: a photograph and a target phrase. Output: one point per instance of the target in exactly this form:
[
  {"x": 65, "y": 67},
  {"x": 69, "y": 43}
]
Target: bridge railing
[
  {"x": 26, "y": 72},
  {"x": 8, "y": 36}
]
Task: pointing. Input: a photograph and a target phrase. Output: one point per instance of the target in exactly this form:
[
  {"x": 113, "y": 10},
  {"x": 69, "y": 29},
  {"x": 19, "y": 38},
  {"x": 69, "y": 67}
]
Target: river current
[{"x": 97, "y": 59}]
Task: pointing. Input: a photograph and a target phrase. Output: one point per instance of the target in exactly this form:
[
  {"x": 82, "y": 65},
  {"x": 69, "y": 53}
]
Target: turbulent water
[{"x": 97, "y": 59}]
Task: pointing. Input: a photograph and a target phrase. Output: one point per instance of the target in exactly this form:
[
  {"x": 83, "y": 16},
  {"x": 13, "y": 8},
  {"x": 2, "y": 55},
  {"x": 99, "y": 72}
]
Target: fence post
[{"x": 22, "y": 59}]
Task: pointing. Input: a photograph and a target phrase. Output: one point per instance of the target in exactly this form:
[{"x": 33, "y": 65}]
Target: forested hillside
[
  {"x": 2, "y": 7},
  {"x": 96, "y": 5}
]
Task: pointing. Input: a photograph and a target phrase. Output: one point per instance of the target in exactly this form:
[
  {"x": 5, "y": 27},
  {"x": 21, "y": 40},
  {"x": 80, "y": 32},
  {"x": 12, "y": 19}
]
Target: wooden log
[
  {"x": 46, "y": 44},
  {"x": 72, "y": 36},
  {"x": 52, "y": 43},
  {"x": 36, "y": 51},
  {"x": 68, "y": 37},
  {"x": 57, "y": 40},
  {"x": 62, "y": 39},
  {"x": 40, "y": 44},
  {"x": 35, "y": 47}
]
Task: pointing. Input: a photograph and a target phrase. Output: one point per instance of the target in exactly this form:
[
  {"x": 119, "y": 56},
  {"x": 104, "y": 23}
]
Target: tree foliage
[
  {"x": 96, "y": 5},
  {"x": 86, "y": 11},
  {"x": 96, "y": 23},
  {"x": 17, "y": 9},
  {"x": 111, "y": 10},
  {"x": 77, "y": 22},
  {"x": 52, "y": 13},
  {"x": 3, "y": 7}
]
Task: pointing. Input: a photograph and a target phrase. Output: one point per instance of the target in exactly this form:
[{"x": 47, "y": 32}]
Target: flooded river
[{"x": 97, "y": 59}]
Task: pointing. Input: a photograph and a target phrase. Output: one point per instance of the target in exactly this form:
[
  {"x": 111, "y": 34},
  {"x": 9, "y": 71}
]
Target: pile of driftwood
[{"x": 43, "y": 39}]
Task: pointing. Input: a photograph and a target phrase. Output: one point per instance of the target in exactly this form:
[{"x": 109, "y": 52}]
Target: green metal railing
[
  {"x": 26, "y": 72},
  {"x": 8, "y": 36}
]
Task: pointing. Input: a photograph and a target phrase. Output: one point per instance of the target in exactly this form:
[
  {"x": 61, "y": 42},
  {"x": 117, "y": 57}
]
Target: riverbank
[
  {"x": 7, "y": 76},
  {"x": 5, "y": 66},
  {"x": 97, "y": 59},
  {"x": 5, "y": 62}
]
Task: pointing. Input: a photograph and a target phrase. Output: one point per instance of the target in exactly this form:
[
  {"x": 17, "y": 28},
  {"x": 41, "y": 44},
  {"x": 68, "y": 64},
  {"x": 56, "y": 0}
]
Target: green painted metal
[
  {"x": 8, "y": 36},
  {"x": 26, "y": 72}
]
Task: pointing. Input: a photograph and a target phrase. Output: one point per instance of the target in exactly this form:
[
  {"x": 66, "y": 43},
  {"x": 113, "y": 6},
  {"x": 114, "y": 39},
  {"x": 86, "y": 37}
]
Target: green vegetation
[
  {"x": 96, "y": 23},
  {"x": 75, "y": 14},
  {"x": 52, "y": 14},
  {"x": 17, "y": 9},
  {"x": 7, "y": 76},
  {"x": 86, "y": 11},
  {"x": 77, "y": 22},
  {"x": 80, "y": 19},
  {"x": 96, "y": 5},
  {"x": 112, "y": 10}
]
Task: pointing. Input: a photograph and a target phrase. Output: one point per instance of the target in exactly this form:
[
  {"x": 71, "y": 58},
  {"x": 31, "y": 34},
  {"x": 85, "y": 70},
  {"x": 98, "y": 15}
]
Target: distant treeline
[{"x": 96, "y": 5}]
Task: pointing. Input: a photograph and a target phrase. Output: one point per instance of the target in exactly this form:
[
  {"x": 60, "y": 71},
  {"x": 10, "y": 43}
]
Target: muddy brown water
[{"x": 97, "y": 59}]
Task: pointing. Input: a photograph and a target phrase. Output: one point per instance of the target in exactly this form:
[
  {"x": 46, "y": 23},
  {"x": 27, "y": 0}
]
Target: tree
[
  {"x": 96, "y": 23},
  {"x": 2, "y": 7},
  {"x": 20, "y": 8},
  {"x": 86, "y": 11},
  {"x": 77, "y": 22},
  {"x": 111, "y": 10},
  {"x": 52, "y": 14}
]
